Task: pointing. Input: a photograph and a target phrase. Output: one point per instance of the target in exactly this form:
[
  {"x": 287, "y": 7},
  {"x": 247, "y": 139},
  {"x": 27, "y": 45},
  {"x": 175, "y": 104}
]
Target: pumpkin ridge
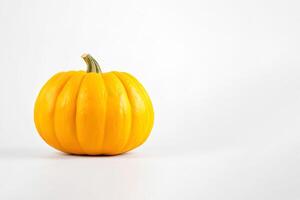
[
  {"x": 90, "y": 131},
  {"x": 36, "y": 119},
  {"x": 130, "y": 132},
  {"x": 148, "y": 102},
  {"x": 75, "y": 113},
  {"x": 134, "y": 140},
  {"x": 119, "y": 144},
  {"x": 54, "y": 108},
  {"x": 104, "y": 124}
]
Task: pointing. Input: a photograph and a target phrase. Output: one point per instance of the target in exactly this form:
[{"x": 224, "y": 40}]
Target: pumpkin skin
[{"x": 93, "y": 113}]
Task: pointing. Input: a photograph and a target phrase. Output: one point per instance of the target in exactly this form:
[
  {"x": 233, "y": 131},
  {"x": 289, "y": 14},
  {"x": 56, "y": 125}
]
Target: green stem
[{"x": 92, "y": 65}]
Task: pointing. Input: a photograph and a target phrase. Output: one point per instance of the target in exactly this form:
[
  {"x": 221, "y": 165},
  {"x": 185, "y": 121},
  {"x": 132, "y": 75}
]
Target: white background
[{"x": 224, "y": 78}]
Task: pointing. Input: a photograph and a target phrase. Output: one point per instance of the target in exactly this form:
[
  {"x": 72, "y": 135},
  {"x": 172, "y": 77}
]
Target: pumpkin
[{"x": 93, "y": 113}]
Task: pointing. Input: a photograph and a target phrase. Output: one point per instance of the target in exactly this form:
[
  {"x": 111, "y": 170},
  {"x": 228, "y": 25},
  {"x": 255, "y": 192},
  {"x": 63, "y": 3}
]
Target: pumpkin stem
[{"x": 92, "y": 64}]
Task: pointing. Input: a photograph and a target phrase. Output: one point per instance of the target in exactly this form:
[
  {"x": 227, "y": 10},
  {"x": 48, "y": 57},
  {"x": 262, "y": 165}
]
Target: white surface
[
  {"x": 223, "y": 77},
  {"x": 269, "y": 172}
]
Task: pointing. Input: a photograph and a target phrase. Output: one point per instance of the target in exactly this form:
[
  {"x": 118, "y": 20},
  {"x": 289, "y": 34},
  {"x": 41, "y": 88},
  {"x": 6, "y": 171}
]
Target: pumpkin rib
[
  {"x": 122, "y": 115},
  {"x": 37, "y": 106},
  {"x": 54, "y": 108},
  {"x": 130, "y": 108},
  {"x": 149, "y": 106},
  {"x": 75, "y": 113},
  {"x": 132, "y": 138},
  {"x": 135, "y": 141},
  {"x": 148, "y": 116},
  {"x": 131, "y": 115},
  {"x": 63, "y": 125},
  {"x": 37, "y": 110},
  {"x": 90, "y": 118},
  {"x": 104, "y": 128},
  {"x": 105, "y": 117}
]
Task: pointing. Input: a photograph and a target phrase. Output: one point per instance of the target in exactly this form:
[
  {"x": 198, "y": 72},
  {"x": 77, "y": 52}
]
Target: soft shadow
[
  {"x": 34, "y": 153},
  {"x": 127, "y": 154},
  {"x": 11, "y": 153}
]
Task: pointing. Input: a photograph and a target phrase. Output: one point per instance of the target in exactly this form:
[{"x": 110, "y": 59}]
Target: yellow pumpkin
[{"x": 93, "y": 113}]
